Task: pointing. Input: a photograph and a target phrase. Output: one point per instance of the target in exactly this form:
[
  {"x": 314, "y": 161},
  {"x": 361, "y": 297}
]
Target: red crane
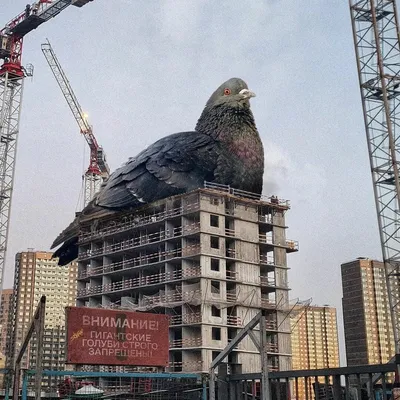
[{"x": 12, "y": 75}]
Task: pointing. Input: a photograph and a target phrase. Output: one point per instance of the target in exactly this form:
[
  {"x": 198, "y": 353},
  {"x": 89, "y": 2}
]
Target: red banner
[{"x": 108, "y": 337}]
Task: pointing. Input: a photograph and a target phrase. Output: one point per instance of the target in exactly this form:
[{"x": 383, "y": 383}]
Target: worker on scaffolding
[{"x": 27, "y": 10}]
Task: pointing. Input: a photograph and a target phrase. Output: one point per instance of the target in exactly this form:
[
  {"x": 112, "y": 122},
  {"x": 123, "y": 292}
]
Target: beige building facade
[
  {"x": 37, "y": 274},
  {"x": 366, "y": 313},
  {"x": 6, "y": 299},
  {"x": 314, "y": 341}
]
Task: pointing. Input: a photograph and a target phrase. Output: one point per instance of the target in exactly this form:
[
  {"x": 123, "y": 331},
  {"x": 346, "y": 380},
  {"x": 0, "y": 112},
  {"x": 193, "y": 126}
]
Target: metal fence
[
  {"x": 110, "y": 385},
  {"x": 369, "y": 382}
]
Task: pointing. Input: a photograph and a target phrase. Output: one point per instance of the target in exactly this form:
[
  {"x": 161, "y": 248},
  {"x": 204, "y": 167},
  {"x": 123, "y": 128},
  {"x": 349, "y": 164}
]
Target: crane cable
[{"x": 81, "y": 198}]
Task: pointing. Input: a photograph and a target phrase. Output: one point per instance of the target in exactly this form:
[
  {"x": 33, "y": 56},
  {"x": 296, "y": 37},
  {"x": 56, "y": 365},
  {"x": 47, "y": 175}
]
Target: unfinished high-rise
[{"x": 211, "y": 259}]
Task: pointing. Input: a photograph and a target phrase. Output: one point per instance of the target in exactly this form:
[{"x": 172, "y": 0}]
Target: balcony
[
  {"x": 192, "y": 250},
  {"x": 138, "y": 221},
  {"x": 291, "y": 245},
  {"x": 233, "y": 321},
  {"x": 268, "y": 303},
  {"x": 268, "y": 260},
  {"x": 271, "y": 325},
  {"x": 186, "y": 319},
  {"x": 189, "y": 366},
  {"x": 148, "y": 259},
  {"x": 231, "y": 297},
  {"x": 267, "y": 281},
  {"x": 266, "y": 219},
  {"x": 191, "y": 228},
  {"x": 174, "y": 296},
  {"x": 231, "y": 275},
  {"x": 144, "y": 240},
  {"x": 231, "y": 253},
  {"x": 229, "y": 232},
  {"x": 133, "y": 283},
  {"x": 272, "y": 348},
  {"x": 182, "y": 343},
  {"x": 246, "y": 195}
]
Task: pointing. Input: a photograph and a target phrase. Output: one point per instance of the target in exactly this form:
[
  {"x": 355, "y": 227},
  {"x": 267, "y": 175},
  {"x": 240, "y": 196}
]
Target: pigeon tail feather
[
  {"x": 71, "y": 231},
  {"x": 68, "y": 252}
]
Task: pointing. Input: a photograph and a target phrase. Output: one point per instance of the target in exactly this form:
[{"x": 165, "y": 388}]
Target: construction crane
[
  {"x": 98, "y": 169},
  {"x": 376, "y": 40},
  {"x": 12, "y": 75}
]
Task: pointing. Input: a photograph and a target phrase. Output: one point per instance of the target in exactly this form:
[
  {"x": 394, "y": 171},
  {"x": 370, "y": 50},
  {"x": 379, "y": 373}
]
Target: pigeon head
[
  {"x": 232, "y": 93},
  {"x": 227, "y": 110}
]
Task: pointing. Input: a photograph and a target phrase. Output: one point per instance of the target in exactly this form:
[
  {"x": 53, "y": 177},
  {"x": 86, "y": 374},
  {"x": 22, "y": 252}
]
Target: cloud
[{"x": 285, "y": 175}]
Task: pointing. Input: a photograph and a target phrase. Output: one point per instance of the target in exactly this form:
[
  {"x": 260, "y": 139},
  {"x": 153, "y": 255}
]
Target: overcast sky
[{"x": 144, "y": 69}]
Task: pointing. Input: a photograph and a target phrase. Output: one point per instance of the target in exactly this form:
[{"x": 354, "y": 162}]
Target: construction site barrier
[{"x": 114, "y": 385}]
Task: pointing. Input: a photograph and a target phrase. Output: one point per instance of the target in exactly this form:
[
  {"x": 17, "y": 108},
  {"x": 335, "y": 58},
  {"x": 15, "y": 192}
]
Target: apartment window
[
  {"x": 215, "y": 312},
  {"x": 214, "y": 242},
  {"x": 214, "y": 264},
  {"x": 216, "y": 333},
  {"x": 214, "y": 221},
  {"x": 215, "y": 287},
  {"x": 214, "y": 201}
]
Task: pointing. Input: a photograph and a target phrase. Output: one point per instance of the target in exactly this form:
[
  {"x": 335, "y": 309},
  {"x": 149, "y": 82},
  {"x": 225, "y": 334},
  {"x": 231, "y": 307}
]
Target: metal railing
[
  {"x": 144, "y": 240},
  {"x": 290, "y": 244},
  {"x": 137, "y": 221},
  {"x": 267, "y": 281},
  {"x": 182, "y": 343},
  {"x": 356, "y": 382},
  {"x": 232, "y": 320},
  {"x": 231, "y": 275},
  {"x": 133, "y": 283},
  {"x": 117, "y": 385},
  {"x": 188, "y": 318},
  {"x": 268, "y": 260},
  {"x": 246, "y": 195},
  {"x": 147, "y": 259},
  {"x": 268, "y": 303}
]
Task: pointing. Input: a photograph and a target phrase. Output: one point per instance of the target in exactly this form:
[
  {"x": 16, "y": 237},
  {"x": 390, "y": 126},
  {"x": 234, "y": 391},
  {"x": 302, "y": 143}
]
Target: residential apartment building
[
  {"x": 2, "y": 366},
  {"x": 211, "y": 259},
  {"x": 315, "y": 342},
  {"x": 37, "y": 274},
  {"x": 366, "y": 313},
  {"x": 6, "y": 298}
]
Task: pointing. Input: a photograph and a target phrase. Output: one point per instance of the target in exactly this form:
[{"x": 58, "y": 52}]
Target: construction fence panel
[
  {"x": 366, "y": 382},
  {"x": 115, "y": 385}
]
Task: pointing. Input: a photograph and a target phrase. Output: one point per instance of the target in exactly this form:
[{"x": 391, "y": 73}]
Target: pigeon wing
[{"x": 175, "y": 164}]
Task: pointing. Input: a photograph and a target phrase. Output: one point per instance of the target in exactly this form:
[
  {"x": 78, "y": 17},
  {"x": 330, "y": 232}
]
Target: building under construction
[{"x": 211, "y": 259}]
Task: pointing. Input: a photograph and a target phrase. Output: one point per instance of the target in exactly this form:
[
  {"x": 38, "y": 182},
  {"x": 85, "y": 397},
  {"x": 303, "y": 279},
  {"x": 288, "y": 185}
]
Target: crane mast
[
  {"x": 98, "y": 168},
  {"x": 12, "y": 75},
  {"x": 376, "y": 39}
]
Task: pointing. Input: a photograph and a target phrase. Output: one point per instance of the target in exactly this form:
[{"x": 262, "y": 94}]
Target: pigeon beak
[{"x": 247, "y": 94}]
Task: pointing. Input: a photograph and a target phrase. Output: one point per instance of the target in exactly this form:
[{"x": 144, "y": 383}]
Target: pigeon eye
[{"x": 227, "y": 92}]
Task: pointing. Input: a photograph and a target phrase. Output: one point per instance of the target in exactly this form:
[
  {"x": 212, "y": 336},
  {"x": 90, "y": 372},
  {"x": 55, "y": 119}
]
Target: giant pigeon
[{"x": 224, "y": 148}]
